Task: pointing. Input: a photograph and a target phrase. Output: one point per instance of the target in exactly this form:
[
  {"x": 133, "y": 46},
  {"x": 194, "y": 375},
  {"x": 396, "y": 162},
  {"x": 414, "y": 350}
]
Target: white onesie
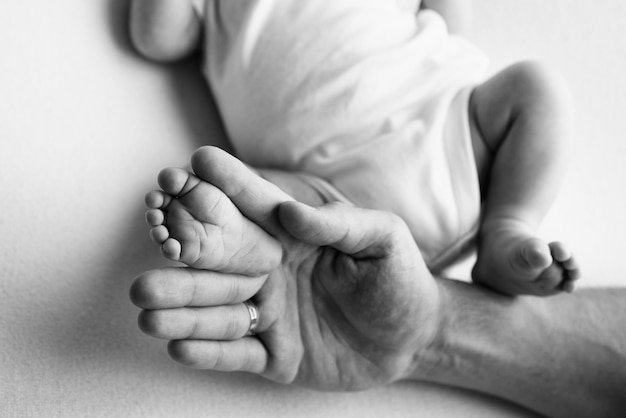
[{"x": 365, "y": 94}]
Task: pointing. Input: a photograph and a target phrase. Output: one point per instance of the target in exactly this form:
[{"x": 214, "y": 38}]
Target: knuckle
[
  {"x": 232, "y": 292},
  {"x": 232, "y": 325},
  {"x": 248, "y": 362},
  {"x": 218, "y": 360}
]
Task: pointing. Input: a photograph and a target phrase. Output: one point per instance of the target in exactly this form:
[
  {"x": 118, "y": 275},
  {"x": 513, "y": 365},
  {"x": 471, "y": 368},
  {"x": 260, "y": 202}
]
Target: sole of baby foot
[
  {"x": 255, "y": 197},
  {"x": 516, "y": 263},
  {"x": 196, "y": 224}
]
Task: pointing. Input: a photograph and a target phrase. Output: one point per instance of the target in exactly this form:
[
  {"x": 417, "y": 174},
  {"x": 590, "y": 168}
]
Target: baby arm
[
  {"x": 456, "y": 13},
  {"x": 164, "y": 30}
]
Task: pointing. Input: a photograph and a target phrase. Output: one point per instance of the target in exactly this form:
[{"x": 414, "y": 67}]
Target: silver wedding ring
[{"x": 253, "y": 311}]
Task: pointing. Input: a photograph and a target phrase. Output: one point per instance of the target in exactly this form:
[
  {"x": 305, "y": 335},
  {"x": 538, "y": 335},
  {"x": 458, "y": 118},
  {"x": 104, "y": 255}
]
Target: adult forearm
[{"x": 561, "y": 356}]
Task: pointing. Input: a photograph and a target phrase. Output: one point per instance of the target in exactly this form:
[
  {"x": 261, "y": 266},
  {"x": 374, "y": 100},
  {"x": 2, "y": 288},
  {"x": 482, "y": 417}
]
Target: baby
[{"x": 373, "y": 103}]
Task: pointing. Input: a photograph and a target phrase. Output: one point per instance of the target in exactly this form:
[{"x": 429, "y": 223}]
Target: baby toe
[
  {"x": 550, "y": 279},
  {"x": 176, "y": 181},
  {"x": 156, "y": 199},
  {"x": 560, "y": 252},
  {"x": 155, "y": 217},
  {"x": 570, "y": 264},
  {"x": 171, "y": 249},
  {"x": 534, "y": 254},
  {"x": 159, "y": 234},
  {"x": 568, "y": 286}
]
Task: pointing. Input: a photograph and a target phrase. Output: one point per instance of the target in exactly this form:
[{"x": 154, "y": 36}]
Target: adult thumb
[{"x": 351, "y": 230}]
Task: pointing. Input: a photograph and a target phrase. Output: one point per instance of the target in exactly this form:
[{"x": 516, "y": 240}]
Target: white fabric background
[{"x": 84, "y": 127}]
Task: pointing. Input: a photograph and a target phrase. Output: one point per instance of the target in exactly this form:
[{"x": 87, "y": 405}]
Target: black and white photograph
[{"x": 312, "y": 208}]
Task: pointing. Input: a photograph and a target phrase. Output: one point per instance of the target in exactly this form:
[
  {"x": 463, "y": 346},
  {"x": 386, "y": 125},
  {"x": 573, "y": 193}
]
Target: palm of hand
[{"x": 347, "y": 321}]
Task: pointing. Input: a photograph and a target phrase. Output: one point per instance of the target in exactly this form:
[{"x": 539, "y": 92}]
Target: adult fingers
[
  {"x": 228, "y": 322},
  {"x": 348, "y": 229},
  {"x": 246, "y": 354},
  {"x": 177, "y": 287}
]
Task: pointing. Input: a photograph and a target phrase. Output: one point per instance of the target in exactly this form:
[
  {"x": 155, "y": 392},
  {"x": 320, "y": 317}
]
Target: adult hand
[{"x": 350, "y": 306}]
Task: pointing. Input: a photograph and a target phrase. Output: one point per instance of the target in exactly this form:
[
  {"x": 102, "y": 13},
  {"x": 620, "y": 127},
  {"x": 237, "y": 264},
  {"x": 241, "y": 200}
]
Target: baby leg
[{"x": 522, "y": 120}]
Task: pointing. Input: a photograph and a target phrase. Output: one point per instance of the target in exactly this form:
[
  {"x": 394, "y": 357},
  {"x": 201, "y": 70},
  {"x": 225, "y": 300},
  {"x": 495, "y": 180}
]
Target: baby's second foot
[
  {"x": 515, "y": 262},
  {"x": 195, "y": 224}
]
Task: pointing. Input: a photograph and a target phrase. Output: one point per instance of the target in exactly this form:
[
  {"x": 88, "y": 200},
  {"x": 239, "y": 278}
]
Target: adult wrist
[
  {"x": 561, "y": 356},
  {"x": 431, "y": 357}
]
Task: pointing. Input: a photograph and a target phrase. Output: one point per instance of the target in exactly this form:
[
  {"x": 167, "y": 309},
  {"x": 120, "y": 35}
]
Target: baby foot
[
  {"x": 515, "y": 262},
  {"x": 195, "y": 224}
]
